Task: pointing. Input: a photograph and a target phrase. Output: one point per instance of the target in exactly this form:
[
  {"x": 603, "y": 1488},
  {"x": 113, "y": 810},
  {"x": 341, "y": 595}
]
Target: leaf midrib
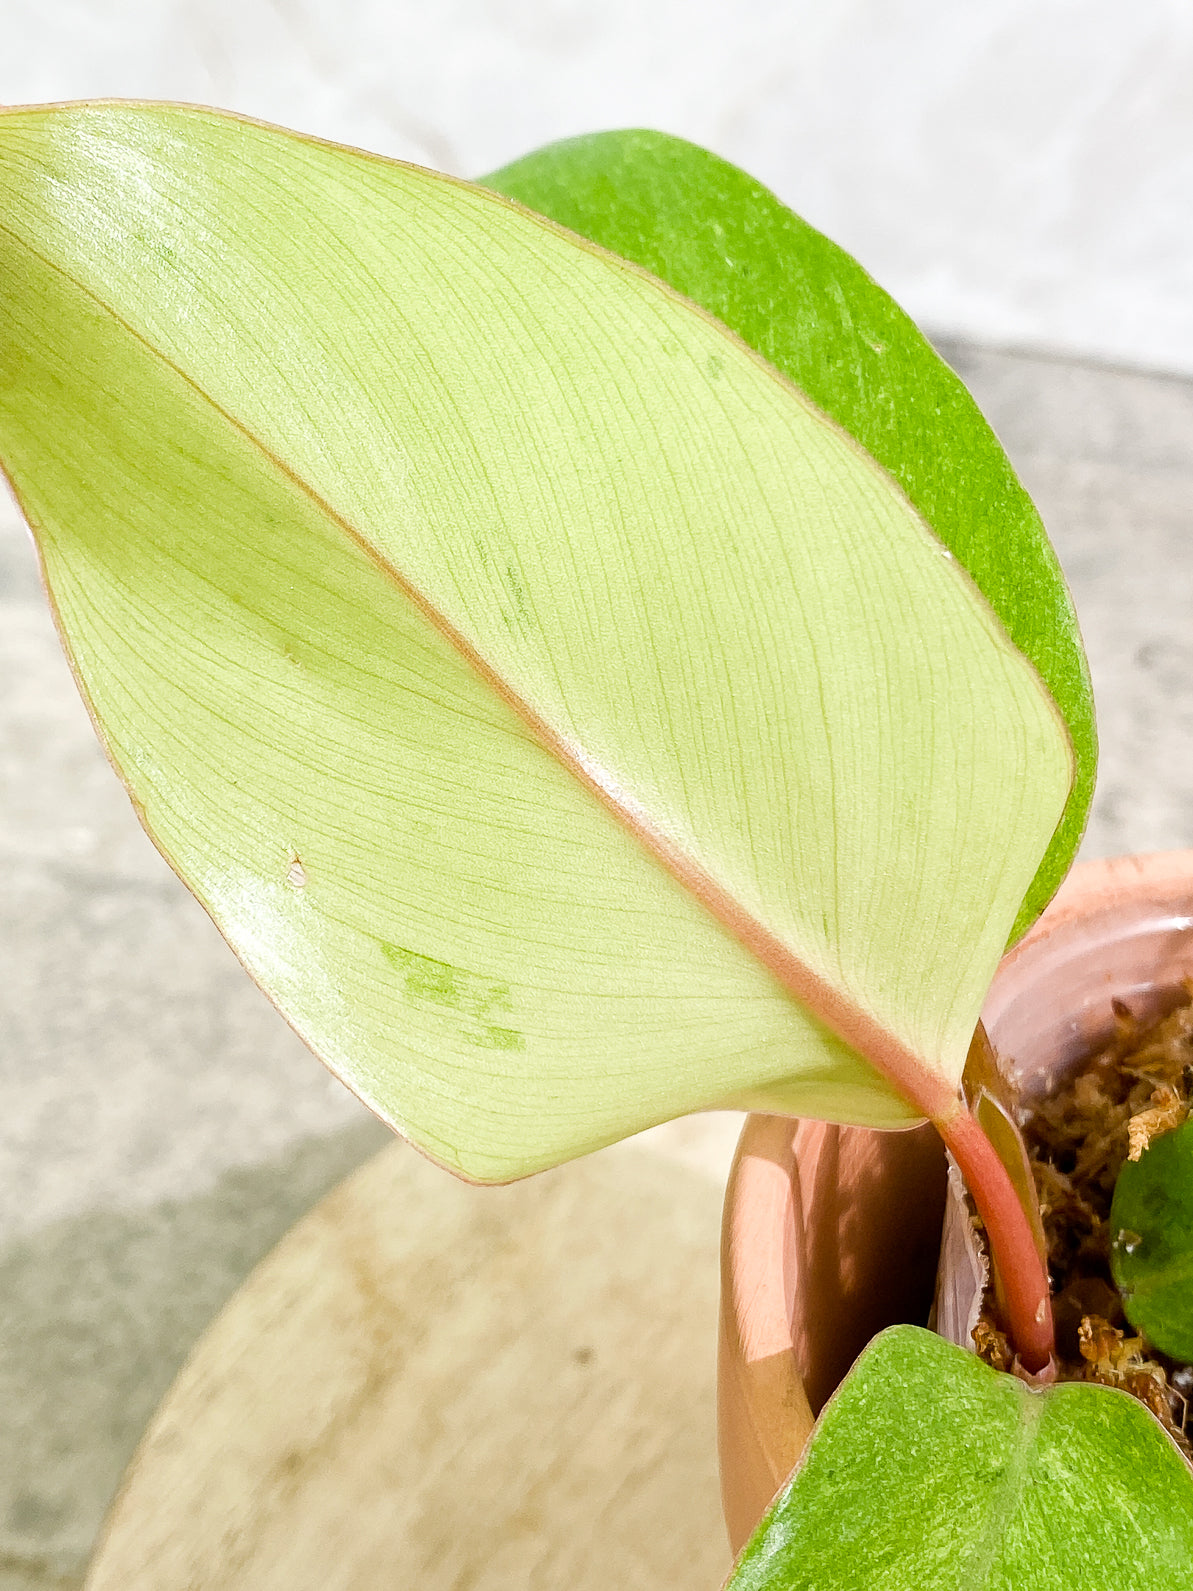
[
  {"x": 974, "y": 1574},
  {"x": 889, "y": 1055}
]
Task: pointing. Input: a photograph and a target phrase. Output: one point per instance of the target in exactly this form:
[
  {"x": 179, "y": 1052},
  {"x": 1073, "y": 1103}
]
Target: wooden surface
[{"x": 436, "y": 1385}]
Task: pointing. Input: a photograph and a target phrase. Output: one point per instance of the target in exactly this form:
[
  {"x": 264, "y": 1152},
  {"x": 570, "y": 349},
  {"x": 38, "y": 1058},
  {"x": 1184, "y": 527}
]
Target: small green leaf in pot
[
  {"x": 930, "y": 1470},
  {"x": 718, "y": 236},
  {"x": 1151, "y": 1238}
]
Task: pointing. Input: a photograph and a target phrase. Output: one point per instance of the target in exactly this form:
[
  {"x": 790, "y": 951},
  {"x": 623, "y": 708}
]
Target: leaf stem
[{"x": 1012, "y": 1243}]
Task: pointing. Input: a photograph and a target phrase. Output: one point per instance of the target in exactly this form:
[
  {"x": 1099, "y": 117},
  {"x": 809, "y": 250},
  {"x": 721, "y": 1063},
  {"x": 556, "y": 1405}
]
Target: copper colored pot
[{"x": 832, "y": 1233}]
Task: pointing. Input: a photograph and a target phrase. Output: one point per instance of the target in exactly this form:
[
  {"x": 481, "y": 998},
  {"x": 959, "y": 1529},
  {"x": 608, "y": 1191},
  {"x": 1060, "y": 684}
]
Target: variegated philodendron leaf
[
  {"x": 930, "y": 1470},
  {"x": 567, "y": 723}
]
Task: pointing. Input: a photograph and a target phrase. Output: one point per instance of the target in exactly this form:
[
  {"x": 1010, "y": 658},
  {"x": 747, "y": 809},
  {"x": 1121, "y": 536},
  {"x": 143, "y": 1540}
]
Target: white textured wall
[{"x": 1013, "y": 170}]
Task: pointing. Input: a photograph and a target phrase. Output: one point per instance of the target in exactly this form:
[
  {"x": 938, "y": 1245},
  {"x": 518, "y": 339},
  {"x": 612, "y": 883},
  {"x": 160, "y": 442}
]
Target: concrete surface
[{"x": 160, "y": 1127}]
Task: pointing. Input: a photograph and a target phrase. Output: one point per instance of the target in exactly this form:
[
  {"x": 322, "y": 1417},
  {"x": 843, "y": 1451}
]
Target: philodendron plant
[{"x": 594, "y": 663}]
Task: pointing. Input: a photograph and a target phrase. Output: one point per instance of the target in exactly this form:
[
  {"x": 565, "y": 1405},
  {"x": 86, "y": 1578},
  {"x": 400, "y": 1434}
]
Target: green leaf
[
  {"x": 1151, "y": 1246},
  {"x": 929, "y": 1469},
  {"x": 726, "y": 242},
  {"x": 560, "y": 717}
]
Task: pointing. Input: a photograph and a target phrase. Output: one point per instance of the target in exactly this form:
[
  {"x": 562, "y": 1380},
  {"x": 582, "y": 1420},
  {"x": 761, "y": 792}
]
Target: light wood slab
[{"x": 433, "y": 1385}]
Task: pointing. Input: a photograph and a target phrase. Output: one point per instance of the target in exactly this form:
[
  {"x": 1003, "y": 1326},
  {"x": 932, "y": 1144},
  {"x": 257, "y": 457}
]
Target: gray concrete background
[{"x": 160, "y": 1127}]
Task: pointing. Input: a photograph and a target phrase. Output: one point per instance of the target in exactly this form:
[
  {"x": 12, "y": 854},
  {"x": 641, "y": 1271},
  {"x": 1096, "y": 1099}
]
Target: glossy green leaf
[
  {"x": 721, "y": 238},
  {"x": 1151, "y": 1241},
  {"x": 562, "y": 719},
  {"x": 930, "y": 1470}
]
